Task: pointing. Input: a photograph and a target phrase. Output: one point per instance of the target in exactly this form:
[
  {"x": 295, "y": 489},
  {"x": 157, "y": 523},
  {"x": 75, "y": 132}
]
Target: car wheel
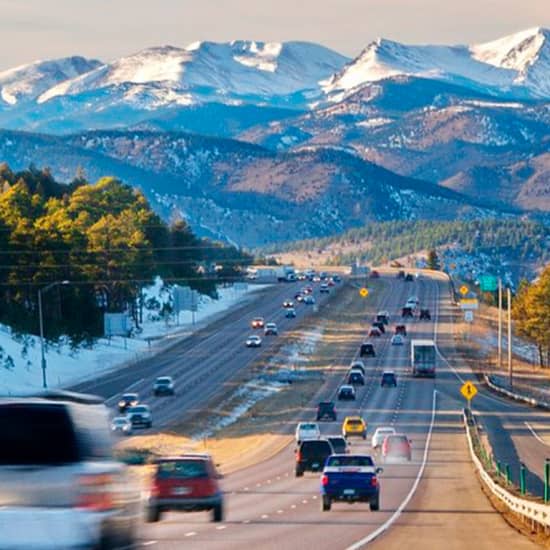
[
  {"x": 153, "y": 514},
  {"x": 299, "y": 472},
  {"x": 217, "y": 512},
  {"x": 325, "y": 504},
  {"x": 375, "y": 504},
  {"x": 364, "y": 436}
]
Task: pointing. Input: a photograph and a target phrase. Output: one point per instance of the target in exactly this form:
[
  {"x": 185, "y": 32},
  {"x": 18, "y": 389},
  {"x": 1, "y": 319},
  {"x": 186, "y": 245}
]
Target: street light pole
[{"x": 41, "y": 322}]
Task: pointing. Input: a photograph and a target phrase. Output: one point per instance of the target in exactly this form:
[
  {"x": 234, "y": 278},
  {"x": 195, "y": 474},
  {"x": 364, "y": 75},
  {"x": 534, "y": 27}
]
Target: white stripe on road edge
[
  {"x": 537, "y": 437},
  {"x": 398, "y": 512}
]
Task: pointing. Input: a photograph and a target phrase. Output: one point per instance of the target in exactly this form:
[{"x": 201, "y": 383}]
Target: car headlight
[{"x": 121, "y": 403}]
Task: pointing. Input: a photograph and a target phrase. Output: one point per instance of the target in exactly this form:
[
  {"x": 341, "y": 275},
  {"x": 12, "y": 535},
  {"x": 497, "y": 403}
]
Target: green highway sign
[{"x": 488, "y": 283}]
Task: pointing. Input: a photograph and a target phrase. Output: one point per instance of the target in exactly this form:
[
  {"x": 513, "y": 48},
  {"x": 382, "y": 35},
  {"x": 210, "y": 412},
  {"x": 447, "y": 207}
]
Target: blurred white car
[
  {"x": 379, "y": 436},
  {"x": 271, "y": 329}
]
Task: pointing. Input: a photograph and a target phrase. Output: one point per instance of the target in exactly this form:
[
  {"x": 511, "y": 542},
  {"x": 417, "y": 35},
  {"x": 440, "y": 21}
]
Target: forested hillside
[
  {"x": 377, "y": 242},
  {"x": 104, "y": 240}
]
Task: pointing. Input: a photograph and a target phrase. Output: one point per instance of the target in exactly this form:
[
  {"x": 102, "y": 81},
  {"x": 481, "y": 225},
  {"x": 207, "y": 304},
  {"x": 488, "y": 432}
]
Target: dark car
[
  {"x": 346, "y": 393},
  {"x": 311, "y": 455},
  {"x": 337, "y": 278},
  {"x": 388, "y": 379},
  {"x": 407, "y": 312},
  {"x": 380, "y": 326},
  {"x": 401, "y": 274},
  {"x": 128, "y": 400},
  {"x": 355, "y": 378},
  {"x": 164, "y": 385},
  {"x": 409, "y": 278},
  {"x": 339, "y": 444},
  {"x": 60, "y": 484},
  {"x": 425, "y": 314},
  {"x": 401, "y": 329},
  {"x": 374, "y": 274},
  {"x": 186, "y": 483},
  {"x": 358, "y": 365},
  {"x": 290, "y": 313},
  {"x": 326, "y": 409},
  {"x": 367, "y": 350}
]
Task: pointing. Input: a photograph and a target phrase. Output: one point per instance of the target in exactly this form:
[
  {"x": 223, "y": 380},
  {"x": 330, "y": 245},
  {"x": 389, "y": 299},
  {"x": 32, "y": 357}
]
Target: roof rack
[{"x": 61, "y": 395}]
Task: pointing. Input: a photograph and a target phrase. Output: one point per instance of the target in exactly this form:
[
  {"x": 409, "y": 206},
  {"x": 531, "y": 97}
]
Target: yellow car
[{"x": 354, "y": 425}]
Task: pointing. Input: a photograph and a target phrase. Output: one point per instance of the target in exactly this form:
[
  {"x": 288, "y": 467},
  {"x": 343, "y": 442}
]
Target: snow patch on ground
[{"x": 20, "y": 358}]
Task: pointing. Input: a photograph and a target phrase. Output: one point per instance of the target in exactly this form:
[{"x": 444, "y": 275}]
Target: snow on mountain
[
  {"x": 519, "y": 63},
  {"x": 27, "y": 82},
  {"x": 239, "y": 69}
]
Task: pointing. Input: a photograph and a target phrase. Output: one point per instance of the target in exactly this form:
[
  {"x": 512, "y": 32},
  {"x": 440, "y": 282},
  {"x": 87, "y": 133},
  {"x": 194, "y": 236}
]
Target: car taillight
[
  {"x": 373, "y": 481},
  {"x": 155, "y": 488},
  {"x": 324, "y": 480},
  {"x": 95, "y": 492},
  {"x": 298, "y": 456}
]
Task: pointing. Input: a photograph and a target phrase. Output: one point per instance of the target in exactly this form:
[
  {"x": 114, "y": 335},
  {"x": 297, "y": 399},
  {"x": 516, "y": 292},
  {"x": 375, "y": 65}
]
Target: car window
[
  {"x": 182, "y": 469},
  {"x": 315, "y": 448},
  {"x": 40, "y": 434},
  {"x": 355, "y": 421},
  {"x": 338, "y": 444},
  {"x": 138, "y": 409},
  {"x": 308, "y": 426},
  {"x": 350, "y": 461}
]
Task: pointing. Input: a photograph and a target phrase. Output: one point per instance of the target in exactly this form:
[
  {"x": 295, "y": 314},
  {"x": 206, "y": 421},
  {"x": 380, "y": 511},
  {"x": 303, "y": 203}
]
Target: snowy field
[{"x": 20, "y": 369}]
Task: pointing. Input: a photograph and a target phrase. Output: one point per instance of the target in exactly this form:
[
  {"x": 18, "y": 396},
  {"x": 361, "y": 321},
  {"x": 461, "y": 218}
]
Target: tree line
[
  {"x": 102, "y": 238},
  {"x": 531, "y": 311}
]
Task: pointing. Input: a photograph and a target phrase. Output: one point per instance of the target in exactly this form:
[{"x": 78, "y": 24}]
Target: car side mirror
[{"x": 379, "y": 470}]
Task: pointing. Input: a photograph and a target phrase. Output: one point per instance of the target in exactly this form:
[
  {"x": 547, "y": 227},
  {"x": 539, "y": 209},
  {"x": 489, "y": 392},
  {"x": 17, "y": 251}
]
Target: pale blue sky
[{"x": 106, "y": 29}]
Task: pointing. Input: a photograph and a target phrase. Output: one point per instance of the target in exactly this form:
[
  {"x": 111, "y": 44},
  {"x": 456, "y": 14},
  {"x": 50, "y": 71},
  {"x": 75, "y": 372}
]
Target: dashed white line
[
  {"x": 149, "y": 543},
  {"x": 220, "y": 527},
  {"x": 304, "y": 501},
  {"x": 264, "y": 516},
  {"x": 280, "y": 511},
  {"x": 190, "y": 534},
  {"x": 293, "y": 506},
  {"x": 246, "y": 521},
  {"x": 537, "y": 436}
]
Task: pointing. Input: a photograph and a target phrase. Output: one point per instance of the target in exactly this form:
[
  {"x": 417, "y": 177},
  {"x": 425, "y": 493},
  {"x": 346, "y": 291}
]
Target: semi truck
[
  {"x": 285, "y": 273},
  {"x": 423, "y": 355}
]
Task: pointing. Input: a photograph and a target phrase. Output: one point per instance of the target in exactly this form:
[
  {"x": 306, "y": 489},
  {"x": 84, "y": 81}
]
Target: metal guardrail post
[
  {"x": 522, "y": 474},
  {"x": 508, "y": 474},
  {"x": 546, "y": 480},
  {"x": 499, "y": 468}
]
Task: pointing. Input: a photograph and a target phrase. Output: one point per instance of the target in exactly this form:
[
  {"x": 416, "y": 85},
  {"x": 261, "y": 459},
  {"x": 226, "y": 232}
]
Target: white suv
[
  {"x": 379, "y": 436},
  {"x": 307, "y": 430}
]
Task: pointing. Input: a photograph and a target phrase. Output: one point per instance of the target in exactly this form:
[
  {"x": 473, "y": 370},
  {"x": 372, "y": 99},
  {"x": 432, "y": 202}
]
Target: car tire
[
  {"x": 325, "y": 504},
  {"x": 153, "y": 514},
  {"x": 375, "y": 504},
  {"x": 364, "y": 436},
  {"x": 299, "y": 472},
  {"x": 217, "y": 513}
]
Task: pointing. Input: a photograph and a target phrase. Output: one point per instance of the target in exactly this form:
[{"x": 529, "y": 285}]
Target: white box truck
[{"x": 423, "y": 356}]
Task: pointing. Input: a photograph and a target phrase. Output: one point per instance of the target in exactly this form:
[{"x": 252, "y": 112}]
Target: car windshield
[
  {"x": 164, "y": 381},
  {"x": 308, "y": 426},
  {"x": 129, "y": 397},
  {"x": 338, "y": 444},
  {"x": 140, "y": 409},
  {"x": 120, "y": 421},
  {"x": 182, "y": 469},
  {"x": 315, "y": 448},
  {"x": 355, "y": 421},
  {"x": 388, "y": 376},
  {"x": 34, "y": 434},
  {"x": 350, "y": 461}
]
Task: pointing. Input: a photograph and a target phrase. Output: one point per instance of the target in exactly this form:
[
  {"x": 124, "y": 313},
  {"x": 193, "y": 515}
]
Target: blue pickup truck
[{"x": 350, "y": 478}]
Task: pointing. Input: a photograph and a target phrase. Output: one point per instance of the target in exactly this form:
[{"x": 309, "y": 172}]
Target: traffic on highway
[{"x": 356, "y": 453}]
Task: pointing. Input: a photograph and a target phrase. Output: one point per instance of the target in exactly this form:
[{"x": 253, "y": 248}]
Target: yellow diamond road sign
[
  {"x": 464, "y": 290},
  {"x": 364, "y": 292},
  {"x": 468, "y": 390}
]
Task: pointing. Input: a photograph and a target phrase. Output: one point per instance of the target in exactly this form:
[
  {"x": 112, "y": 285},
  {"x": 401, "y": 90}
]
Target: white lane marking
[
  {"x": 293, "y": 506},
  {"x": 220, "y": 527},
  {"x": 149, "y": 543},
  {"x": 314, "y": 497},
  {"x": 384, "y": 527},
  {"x": 537, "y": 437},
  {"x": 246, "y": 521},
  {"x": 246, "y": 489},
  {"x": 190, "y": 534},
  {"x": 264, "y": 516},
  {"x": 280, "y": 511},
  {"x": 258, "y": 484},
  {"x": 304, "y": 501}
]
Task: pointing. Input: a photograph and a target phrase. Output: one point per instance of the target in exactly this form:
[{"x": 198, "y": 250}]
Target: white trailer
[{"x": 423, "y": 358}]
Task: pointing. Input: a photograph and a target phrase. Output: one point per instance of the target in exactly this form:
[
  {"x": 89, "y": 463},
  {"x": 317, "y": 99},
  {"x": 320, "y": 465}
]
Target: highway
[{"x": 267, "y": 507}]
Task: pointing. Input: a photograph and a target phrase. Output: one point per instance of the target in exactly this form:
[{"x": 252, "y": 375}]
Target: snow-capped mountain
[
  {"x": 239, "y": 71},
  {"x": 516, "y": 65},
  {"x": 28, "y": 82}
]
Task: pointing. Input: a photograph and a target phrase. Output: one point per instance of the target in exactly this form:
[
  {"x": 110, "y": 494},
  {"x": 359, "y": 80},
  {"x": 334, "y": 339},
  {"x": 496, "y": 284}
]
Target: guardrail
[
  {"x": 537, "y": 513},
  {"x": 516, "y": 396}
]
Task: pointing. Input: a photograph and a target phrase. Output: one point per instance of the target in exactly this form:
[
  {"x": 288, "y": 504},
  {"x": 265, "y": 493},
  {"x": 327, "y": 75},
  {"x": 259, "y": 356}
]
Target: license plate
[
  {"x": 315, "y": 465},
  {"x": 181, "y": 491},
  {"x": 349, "y": 491}
]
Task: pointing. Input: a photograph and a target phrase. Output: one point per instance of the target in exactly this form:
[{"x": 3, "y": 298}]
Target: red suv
[{"x": 185, "y": 483}]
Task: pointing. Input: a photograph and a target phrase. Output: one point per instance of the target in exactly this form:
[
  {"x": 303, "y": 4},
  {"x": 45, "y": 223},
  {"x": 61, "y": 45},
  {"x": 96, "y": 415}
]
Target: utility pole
[
  {"x": 509, "y": 296},
  {"x": 499, "y": 324}
]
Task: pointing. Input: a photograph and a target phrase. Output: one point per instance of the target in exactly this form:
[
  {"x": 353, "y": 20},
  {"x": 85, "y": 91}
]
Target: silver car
[
  {"x": 121, "y": 425},
  {"x": 60, "y": 486}
]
